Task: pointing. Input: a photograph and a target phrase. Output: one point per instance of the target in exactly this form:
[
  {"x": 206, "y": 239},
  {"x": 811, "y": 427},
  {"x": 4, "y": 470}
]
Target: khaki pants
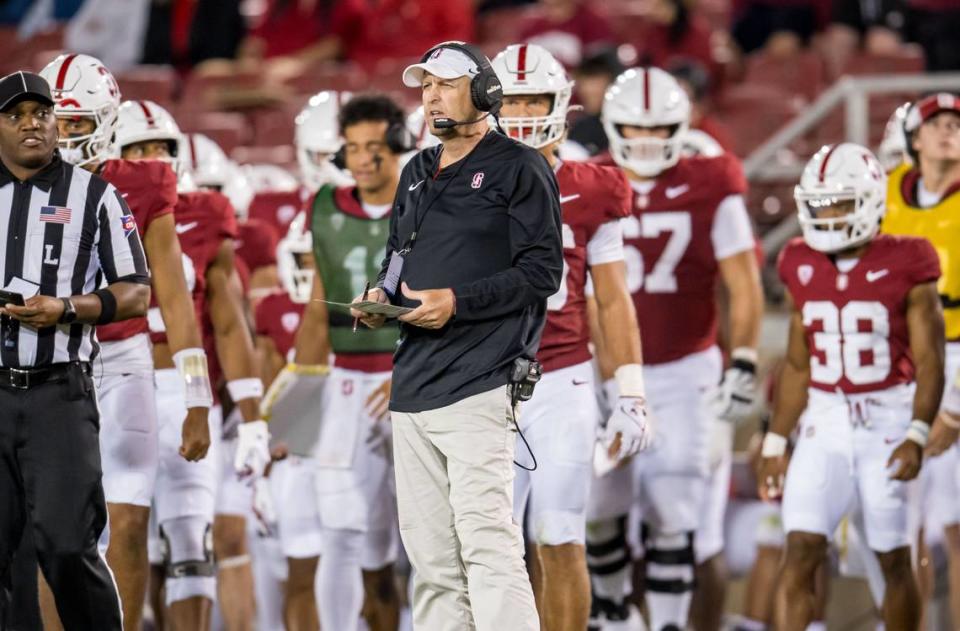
[{"x": 455, "y": 500}]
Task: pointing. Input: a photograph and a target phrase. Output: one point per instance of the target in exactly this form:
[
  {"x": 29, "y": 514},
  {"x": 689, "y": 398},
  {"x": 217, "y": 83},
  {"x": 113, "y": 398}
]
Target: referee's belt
[{"x": 26, "y": 378}]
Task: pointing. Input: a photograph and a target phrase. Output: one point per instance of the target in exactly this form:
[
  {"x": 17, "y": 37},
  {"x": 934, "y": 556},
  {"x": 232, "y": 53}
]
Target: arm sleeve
[
  {"x": 535, "y": 246},
  {"x": 731, "y": 232},
  {"x": 606, "y": 244},
  {"x": 118, "y": 244}
]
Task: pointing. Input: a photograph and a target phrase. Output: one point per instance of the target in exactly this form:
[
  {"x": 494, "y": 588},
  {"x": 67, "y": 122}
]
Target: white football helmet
[
  {"x": 82, "y": 87},
  {"x": 531, "y": 69},
  {"x": 297, "y": 245},
  {"x": 140, "y": 121},
  {"x": 239, "y": 190},
  {"x": 317, "y": 139},
  {"x": 646, "y": 97},
  {"x": 418, "y": 128},
  {"x": 206, "y": 161},
  {"x": 892, "y": 151},
  {"x": 837, "y": 174}
]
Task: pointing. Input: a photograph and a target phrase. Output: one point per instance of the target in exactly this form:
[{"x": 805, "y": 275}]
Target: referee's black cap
[{"x": 23, "y": 86}]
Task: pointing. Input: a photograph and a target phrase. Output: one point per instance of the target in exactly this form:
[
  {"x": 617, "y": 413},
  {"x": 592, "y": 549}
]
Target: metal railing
[{"x": 765, "y": 163}]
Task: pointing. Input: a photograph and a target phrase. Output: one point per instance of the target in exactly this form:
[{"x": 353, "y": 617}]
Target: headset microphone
[{"x": 449, "y": 123}]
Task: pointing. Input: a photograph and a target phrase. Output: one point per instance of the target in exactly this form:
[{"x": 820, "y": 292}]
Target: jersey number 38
[{"x": 848, "y": 348}]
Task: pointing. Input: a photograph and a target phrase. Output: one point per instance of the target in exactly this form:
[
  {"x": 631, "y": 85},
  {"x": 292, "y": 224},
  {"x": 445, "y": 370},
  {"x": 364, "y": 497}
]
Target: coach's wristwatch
[{"x": 69, "y": 315}]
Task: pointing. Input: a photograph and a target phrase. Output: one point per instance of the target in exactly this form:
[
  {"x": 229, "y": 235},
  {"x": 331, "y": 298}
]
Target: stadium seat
[
  {"x": 800, "y": 75},
  {"x": 909, "y": 62},
  {"x": 150, "y": 83},
  {"x": 753, "y": 113},
  {"x": 227, "y": 129}
]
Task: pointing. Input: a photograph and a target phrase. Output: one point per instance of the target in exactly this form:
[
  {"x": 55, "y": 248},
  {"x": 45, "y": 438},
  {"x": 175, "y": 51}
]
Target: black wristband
[
  {"x": 108, "y": 306},
  {"x": 744, "y": 365}
]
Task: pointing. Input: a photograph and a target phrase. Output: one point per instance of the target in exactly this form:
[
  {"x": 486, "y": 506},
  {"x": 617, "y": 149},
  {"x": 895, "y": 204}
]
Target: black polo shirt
[{"x": 488, "y": 227}]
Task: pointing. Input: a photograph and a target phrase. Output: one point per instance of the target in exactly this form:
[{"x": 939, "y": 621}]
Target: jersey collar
[{"x": 43, "y": 179}]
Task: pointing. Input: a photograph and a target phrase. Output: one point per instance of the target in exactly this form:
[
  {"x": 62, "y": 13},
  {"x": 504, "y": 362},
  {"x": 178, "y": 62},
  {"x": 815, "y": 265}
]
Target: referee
[
  {"x": 66, "y": 232},
  {"x": 475, "y": 249}
]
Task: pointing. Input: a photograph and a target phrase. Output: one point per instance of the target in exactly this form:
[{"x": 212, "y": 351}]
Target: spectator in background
[
  {"x": 306, "y": 29},
  {"x": 673, "y": 32},
  {"x": 935, "y": 25},
  {"x": 875, "y": 26},
  {"x": 387, "y": 30},
  {"x": 782, "y": 27},
  {"x": 185, "y": 33},
  {"x": 569, "y": 29},
  {"x": 693, "y": 78},
  {"x": 594, "y": 74}
]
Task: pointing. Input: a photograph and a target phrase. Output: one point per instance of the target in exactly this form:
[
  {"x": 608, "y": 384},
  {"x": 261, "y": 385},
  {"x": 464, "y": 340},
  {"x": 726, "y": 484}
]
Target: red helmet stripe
[
  {"x": 522, "y": 63},
  {"x": 147, "y": 113},
  {"x": 62, "y": 75},
  {"x": 826, "y": 158},
  {"x": 646, "y": 89}
]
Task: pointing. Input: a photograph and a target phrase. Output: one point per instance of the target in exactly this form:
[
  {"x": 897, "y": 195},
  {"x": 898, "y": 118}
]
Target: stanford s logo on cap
[{"x": 477, "y": 180}]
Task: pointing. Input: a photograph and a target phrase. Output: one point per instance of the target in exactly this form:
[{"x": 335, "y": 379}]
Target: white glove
[
  {"x": 738, "y": 389},
  {"x": 629, "y": 420},
  {"x": 284, "y": 381},
  {"x": 263, "y": 509},
  {"x": 253, "y": 449}
]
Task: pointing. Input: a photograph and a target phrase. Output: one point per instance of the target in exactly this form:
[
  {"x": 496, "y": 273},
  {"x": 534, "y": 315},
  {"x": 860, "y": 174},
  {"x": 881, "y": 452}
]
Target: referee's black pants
[{"x": 50, "y": 481}]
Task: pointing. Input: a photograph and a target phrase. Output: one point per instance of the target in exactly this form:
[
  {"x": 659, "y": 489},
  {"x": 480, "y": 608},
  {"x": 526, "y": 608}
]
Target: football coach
[
  {"x": 475, "y": 249},
  {"x": 73, "y": 259}
]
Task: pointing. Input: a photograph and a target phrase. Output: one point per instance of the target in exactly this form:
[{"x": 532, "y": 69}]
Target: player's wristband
[
  {"x": 744, "y": 358},
  {"x": 191, "y": 363},
  {"x": 918, "y": 432},
  {"x": 773, "y": 446},
  {"x": 629, "y": 379},
  {"x": 249, "y": 388}
]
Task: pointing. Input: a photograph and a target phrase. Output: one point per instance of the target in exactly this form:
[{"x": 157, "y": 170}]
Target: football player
[
  {"x": 892, "y": 151},
  {"x": 348, "y": 225},
  {"x": 292, "y": 480},
  {"x": 87, "y": 106},
  {"x": 186, "y": 493},
  {"x": 317, "y": 141},
  {"x": 689, "y": 229},
  {"x": 560, "y": 423},
  {"x": 863, "y": 378},
  {"x": 923, "y": 199}
]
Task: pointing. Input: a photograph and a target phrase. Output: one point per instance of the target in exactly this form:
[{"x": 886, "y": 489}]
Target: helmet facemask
[
  {"x": 540, "y": 131},
  {"x": 837, "y": 221},
  {"x": 95, "y": 147},
  {"x": 647, "y": 156}
]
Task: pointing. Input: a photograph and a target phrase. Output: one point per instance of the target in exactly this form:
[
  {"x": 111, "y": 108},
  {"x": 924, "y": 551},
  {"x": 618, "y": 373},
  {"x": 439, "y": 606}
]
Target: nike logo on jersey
[
  {"x": 413, "y": 187},
  {"x": 890, "y": 441},
  {"x": 569, "y": 198},
  {"x": 577, "y": 382},
  {"x": 674, "y": 192},
  {"x": 186, "y": 227},
  {"x": 873, "y": 275}
]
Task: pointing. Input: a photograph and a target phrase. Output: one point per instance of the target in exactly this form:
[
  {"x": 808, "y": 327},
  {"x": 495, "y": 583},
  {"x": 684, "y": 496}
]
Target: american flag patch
[
  {"x": 55, "y": 214},
  {"x": 129, "y": 224}
]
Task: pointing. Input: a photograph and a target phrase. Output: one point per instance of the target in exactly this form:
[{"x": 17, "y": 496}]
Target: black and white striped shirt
[{"x": 69, "y": 232}]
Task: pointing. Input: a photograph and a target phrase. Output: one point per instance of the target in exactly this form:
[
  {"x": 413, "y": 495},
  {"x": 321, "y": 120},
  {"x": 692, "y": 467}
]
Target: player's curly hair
[{"x": 370, "y": 107}]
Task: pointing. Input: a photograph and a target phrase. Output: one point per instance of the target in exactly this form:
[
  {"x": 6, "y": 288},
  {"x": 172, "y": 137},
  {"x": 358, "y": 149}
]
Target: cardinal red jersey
[
  {"x": 257, "y": 243},
  {"x": 671, "y": 245},
  {"x": 278, "y": 318},
  {"x": 855, "y": 322},
  {"x": 278, "y": 208},
  {"x": 204, "y": 220},
  {"x": 590, "y": 196},
  {"x": 150, "y": 189}
]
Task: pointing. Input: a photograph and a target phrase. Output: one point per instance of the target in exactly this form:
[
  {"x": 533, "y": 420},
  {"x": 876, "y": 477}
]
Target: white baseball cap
[{"x": 446, "y": 63}]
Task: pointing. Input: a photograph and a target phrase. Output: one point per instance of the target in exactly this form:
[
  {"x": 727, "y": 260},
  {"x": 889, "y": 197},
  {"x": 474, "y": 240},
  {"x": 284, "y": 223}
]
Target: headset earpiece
[
  {"x": 400, "y": 139},
  {"x": 486, "y": 91}
]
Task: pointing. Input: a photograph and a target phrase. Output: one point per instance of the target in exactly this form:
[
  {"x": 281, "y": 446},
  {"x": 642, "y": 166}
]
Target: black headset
[
  {"x": 398, "y": 139},
  {"x": 486, "y": 92}
]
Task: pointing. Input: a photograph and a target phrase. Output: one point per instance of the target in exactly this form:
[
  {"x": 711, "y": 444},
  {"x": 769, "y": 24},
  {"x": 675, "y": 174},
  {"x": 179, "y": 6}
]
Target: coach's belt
[{"x": 26, "y": 378}]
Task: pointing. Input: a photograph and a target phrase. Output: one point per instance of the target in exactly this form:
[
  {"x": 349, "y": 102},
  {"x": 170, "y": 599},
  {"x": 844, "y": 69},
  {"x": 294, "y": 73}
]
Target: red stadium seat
[
  {"x": 329, "y": 76},
  {"x": 801, "y": 75},
  {"x": 228, "y": 129},
  {"x": 911, "y": 61},
  {"x": 753, "y": 113},
  {"x": 149, "y": 83}
]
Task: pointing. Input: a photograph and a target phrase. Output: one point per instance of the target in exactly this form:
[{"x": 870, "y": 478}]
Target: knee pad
[
  {"x": 670, "y": 559},
  {"x": 607, "y": 549},
  {"x": 188, "y": 556}
]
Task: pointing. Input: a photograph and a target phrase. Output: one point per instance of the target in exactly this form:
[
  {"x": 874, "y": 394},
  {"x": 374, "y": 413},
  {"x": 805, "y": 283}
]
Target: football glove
[
  {"x": 734, "y": 399},
  {"x": 253, "y": 449}
]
